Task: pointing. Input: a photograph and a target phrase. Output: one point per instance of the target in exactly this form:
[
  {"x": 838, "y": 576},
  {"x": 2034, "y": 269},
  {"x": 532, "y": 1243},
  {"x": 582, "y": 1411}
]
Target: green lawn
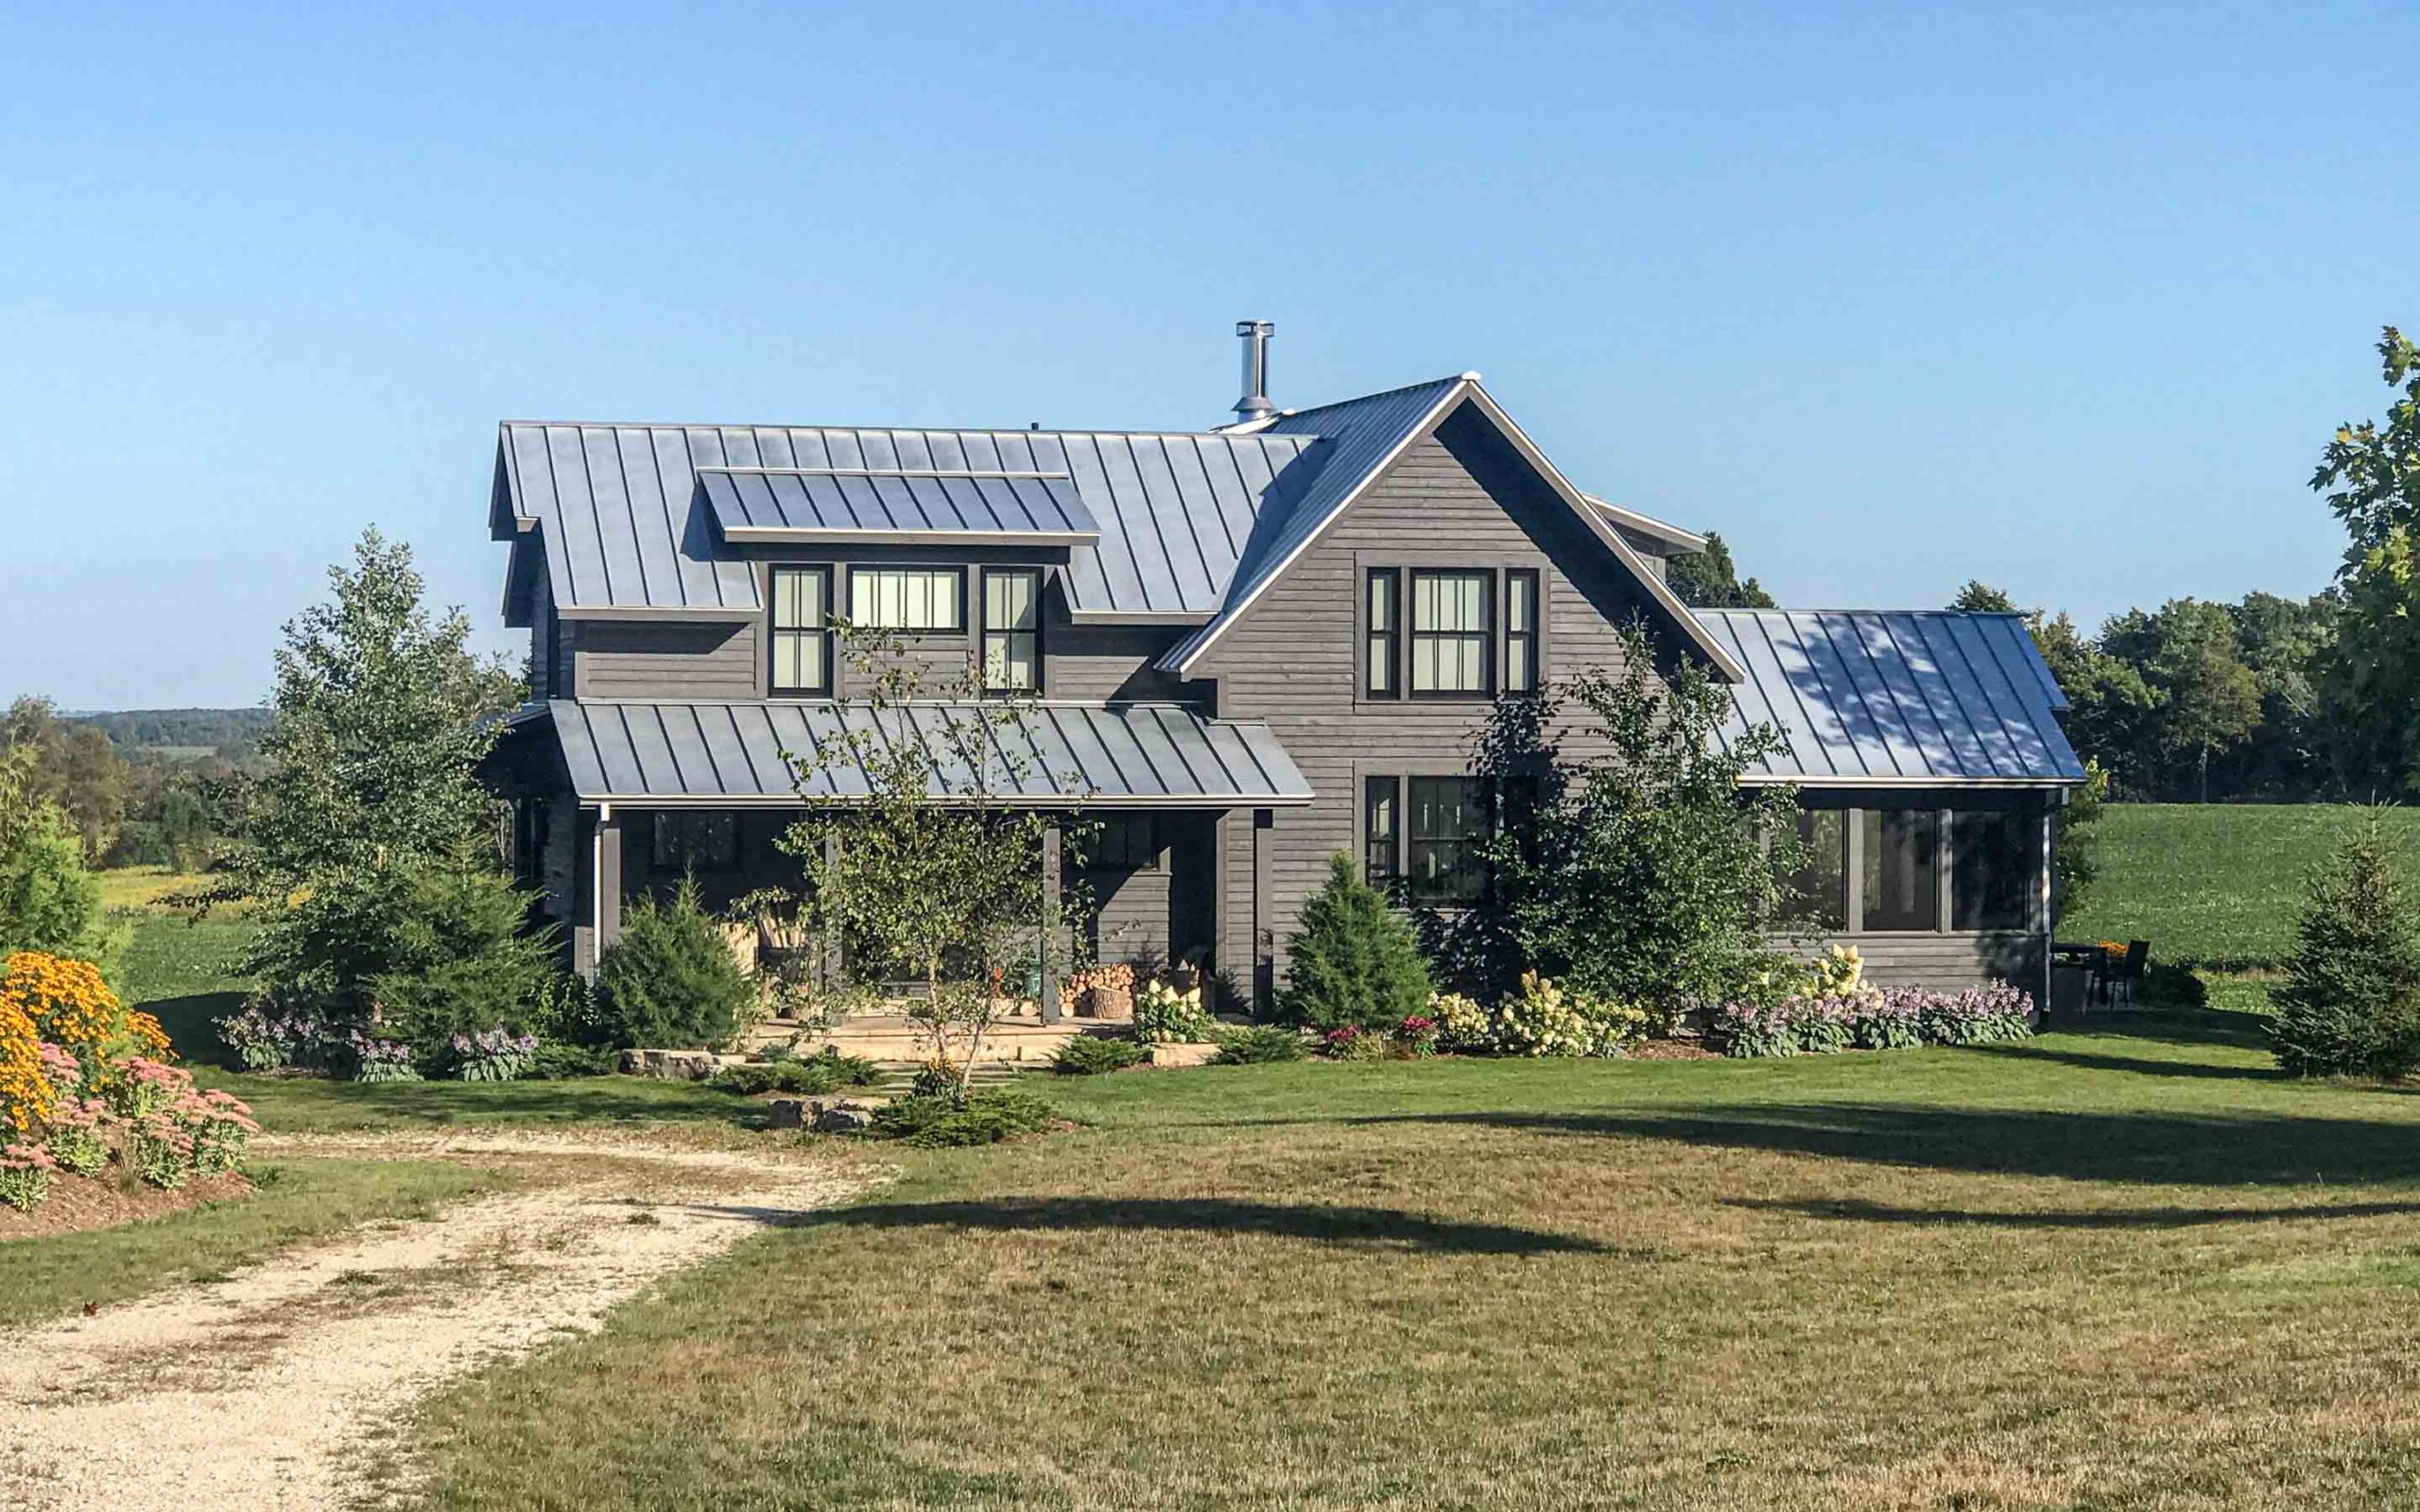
[
  {"x": 2219, "y": 883},
  {"x": 2113, "y": 1270},
  {"x": 299, "y": 1198}
]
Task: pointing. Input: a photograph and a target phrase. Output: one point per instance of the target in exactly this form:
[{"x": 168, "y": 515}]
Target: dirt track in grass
[{"x": 270, "y": 1390}]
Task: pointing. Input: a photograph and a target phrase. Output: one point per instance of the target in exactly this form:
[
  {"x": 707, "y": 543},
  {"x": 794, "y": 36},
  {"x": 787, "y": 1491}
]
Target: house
[{"x": 1254, "y": 646}]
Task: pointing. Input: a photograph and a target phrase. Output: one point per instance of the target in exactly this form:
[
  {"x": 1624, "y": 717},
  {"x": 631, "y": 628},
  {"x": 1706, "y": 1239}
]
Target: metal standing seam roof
[
  {"x": 737, "y": 754},
  {"x": 842, "y": 504},
  {"x": 1892, "y": 697},
  {"x": 625, "y": 524}
]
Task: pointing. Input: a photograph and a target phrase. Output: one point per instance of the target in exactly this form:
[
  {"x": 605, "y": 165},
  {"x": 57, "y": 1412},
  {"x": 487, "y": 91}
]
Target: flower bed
[
  {"x": 98, "y": 1092},
  {"x": 1874, "y": 1018}
]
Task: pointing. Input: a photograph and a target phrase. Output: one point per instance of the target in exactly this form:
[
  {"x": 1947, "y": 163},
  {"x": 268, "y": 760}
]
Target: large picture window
[
  {"x": 1382, "y": 636},
  {"x": 1445, "y": 824},
  {"x": 696, "y": 842},
  {"x": 801, "y": 631},
  {"x": 1902, "y": 869},
  {"x": 1452, "y": 634},
  {"x": 1819, "y": 893},
  {"x": 1012, "y": 629},
  {"x": 914, "y": 600},
  {"x": 1991, "y": 870}
]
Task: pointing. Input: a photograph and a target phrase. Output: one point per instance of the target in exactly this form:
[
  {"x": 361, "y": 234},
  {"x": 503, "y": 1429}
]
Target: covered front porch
[{"x": 617, "y": 801}]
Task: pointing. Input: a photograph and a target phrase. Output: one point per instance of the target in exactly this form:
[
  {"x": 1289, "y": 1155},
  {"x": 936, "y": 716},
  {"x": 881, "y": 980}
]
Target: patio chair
[{"x": 2126, "y": 975}]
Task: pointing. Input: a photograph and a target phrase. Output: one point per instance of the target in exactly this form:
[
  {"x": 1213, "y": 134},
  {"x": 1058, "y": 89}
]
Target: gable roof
[
  {"x": 633, "y": 518},
  {"x": 1367, "y": 434},
  {"x": 1890, "y": 698}
]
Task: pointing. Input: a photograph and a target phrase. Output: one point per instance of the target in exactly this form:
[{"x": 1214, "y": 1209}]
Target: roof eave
[{"x": 794, "y": 536}]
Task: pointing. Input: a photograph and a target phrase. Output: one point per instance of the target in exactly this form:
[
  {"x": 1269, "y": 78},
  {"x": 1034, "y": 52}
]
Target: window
[
  {"x": 1991, "y": 870},
  {"x": 1381, "y": 829},
  {"x": 1383, "y": 638},
  {"x": 1125, "y": 843},
  {"x": 918, "y": 600},
  {"x": 802, "y": 632},
  {"x": 1012, "y": 629},
  {"x": 1819, "y": 892},
  {"x": 1521, "y": 631},
  {"x": 697, "y": 842},
  {"x": 1452, "y": 631},
  {"x": 1446, "y": 824},
  {"x": 1902, "y": 868},
  {"x": 532, "y": 825}
]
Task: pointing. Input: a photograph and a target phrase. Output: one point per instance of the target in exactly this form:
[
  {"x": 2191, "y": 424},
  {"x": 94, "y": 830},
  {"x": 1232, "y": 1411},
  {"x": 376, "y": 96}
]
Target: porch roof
[
  {"x": 736, "y": 755},
  {"x": 1915, "y": 699}
]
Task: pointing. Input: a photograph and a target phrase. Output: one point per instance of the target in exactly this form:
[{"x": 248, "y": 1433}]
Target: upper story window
[
  {"x": 1012, "y": 629},
  {"x": 1453, "y": 634},
  {"x": 913, "y": 600},
  {"x": 1382, "y": 618},
  {"x": 1521, "y": 631},
  {"x": 801, "y": 631}
]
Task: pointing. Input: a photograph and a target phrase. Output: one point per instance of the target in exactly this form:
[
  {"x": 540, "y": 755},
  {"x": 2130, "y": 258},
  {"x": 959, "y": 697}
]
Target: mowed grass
[
  {"x": 2118, "y": 1269},
  {"x": 2220, "y": 883},
  {"x": 299, "y": 1198}
]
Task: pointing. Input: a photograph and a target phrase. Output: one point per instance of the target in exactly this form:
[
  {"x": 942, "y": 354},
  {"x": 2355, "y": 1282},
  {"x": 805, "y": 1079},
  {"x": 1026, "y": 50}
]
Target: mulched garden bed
[
  {"x": 79, "y": 1203},
  {"x": 1670, "y": 1050}
]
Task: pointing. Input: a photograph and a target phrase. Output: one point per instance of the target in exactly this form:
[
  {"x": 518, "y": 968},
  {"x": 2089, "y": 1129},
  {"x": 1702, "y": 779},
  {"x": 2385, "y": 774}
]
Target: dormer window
[
  {"x": 802, "y": 632},
  {"x": 1011, "y": 629},
  {"x": 911, "y": 600}
]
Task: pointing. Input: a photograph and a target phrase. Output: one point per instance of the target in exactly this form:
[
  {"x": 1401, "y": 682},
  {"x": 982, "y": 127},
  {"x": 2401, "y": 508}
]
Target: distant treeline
[{"x": 232, "y": 732}]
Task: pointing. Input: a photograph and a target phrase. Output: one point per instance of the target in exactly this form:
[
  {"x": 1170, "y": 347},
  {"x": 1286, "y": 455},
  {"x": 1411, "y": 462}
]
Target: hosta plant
[
  {"x": 492, "y": 1054},
  {"x": 381, "y": 1060}
]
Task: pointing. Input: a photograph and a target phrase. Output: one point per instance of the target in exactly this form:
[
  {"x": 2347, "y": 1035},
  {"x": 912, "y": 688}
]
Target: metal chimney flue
[{"x": 1254, "y": 405}]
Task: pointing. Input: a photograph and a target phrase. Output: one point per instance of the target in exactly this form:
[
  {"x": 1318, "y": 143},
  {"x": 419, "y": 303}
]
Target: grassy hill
[{"x": 2217, "y": 883}]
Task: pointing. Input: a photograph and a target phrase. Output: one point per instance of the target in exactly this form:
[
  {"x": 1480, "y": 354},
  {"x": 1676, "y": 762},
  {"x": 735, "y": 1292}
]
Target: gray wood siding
[
  {"x": 1950, "y": 961},
  {"x": 1294, "y": 661},
  {"x": 650, "y": 659},
  {"x": 1107, "y": 663}
]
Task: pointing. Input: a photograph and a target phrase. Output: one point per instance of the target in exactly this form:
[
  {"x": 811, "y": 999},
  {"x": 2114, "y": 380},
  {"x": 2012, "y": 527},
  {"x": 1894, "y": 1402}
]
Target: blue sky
[{"x": 2064, "y": 299}]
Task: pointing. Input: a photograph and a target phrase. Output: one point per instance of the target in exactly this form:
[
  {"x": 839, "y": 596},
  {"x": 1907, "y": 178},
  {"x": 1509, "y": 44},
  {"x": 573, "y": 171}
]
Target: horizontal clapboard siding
[{"x": 649, "y": 660}]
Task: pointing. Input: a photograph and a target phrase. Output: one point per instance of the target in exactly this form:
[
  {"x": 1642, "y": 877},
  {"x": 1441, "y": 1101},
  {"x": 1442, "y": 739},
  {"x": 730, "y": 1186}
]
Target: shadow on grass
[
  {"x": 190, "y": 1021},
  {"x": 2231, "y": 1027},
  {"x": 2245, "y": 1149},
  {"x": 2133, "y": 1065},
  {"x": 1862, "y": 1211},
  {"x": 438, "y": 1102},
  {"x": 1380, "y": 1228}
]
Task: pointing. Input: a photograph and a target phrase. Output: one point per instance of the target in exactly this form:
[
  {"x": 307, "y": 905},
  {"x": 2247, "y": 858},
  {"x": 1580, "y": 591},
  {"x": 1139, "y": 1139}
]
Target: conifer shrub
[
  {"x": 1259, "y": 1045},
  {"x": 1354, "y": 961},
  {"x": 1091, "y": 1056},
  {"x": 2350, "y": 1003},
  {"x": 671, "y": 982}
]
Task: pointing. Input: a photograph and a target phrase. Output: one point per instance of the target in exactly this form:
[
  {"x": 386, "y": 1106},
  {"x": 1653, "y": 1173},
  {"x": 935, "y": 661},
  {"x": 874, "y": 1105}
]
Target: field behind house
[{"x": 2217, "y": 884}]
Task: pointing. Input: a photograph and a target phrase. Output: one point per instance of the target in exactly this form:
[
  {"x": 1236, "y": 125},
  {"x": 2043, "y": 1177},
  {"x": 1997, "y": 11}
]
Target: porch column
[
  {"x": 605, "y": 880},
  {"x": 1051, "y": 851},
  {"x": 1264, "y": 922}
]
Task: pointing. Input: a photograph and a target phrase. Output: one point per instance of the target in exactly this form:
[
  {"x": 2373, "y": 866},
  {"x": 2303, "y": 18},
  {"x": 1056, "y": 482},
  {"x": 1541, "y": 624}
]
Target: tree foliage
[
  {"x": 671, "y": 982},
  {"x": 1628, "y": 862},
  {"x": 2350, "y": 1003},
  {"x": 1355, "y": 960},
  {"x": 1707, "y": 579},
  {"x": 48, "y": 902},
  {"x": 72, "y": 767}
]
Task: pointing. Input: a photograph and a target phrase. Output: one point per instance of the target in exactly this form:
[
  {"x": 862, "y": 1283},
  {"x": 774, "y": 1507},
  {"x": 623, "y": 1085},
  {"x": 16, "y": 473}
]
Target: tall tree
[
  {"x": 2370, "y": 476},
  {"x": 1707, "y": 579},
  {"x": 1979, "y": 597},
  {"x": 381, "y": 715},
  {"x": 2212, "y": 699},
  {"x": 75, "y": 768}
]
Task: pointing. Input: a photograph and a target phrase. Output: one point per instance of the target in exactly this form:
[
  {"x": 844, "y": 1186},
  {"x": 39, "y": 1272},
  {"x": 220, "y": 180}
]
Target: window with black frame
[
  {"x": 1991, "y": 874},
  {"x": 912, "y": 600},
  {"x": 801, "y": 631},
  {"x": 1011, "y": 629},
  {"x": 1902, "y": 881},
  {"x": 1521, "y": 672},
  {"x": 1819, "y": 892},
  {"x": 1125, "y": 842},
  {"x": 1382, "y": 634},
  {"x": 702, "y": 841},
  {"x": 1446, "y": 823},
  {"x": 1381, "y": 829},
  {"x": 1453, "y": 634}
]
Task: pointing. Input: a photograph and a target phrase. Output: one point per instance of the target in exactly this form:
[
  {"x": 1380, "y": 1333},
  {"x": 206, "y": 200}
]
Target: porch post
[
  {"x": 1264, "y": 922},
  {"x": 606, "y": 867},
  {"x": 1048, "y": 999}
]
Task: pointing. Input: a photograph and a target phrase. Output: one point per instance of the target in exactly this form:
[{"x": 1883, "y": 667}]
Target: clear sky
[{"x": 2069, "y": 301}]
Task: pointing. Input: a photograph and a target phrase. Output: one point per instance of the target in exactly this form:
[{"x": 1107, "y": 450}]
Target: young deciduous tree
[
  {"x": 937, "y": 876},
  {"x": 1641, "y": 868}
]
